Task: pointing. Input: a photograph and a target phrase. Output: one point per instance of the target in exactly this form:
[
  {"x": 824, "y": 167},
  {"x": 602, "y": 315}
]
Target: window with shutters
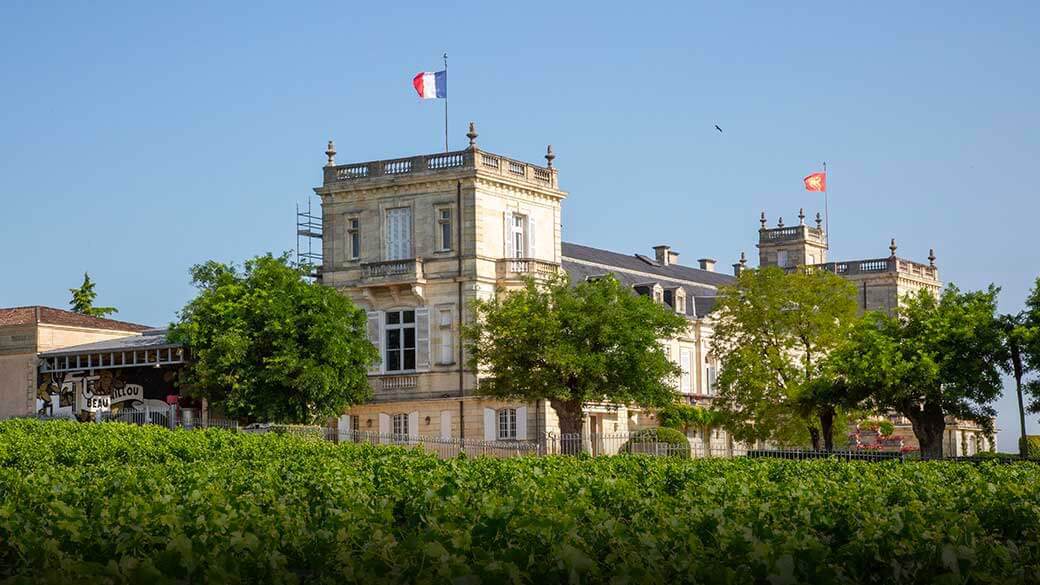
[
  {"x": 355, "y": 421},
  {"x": 444, "y": 230},
  {"x": 686, "y": 364},
  {"x": 507, "y": 424},
  {"x": 446, "y": 345},
  {"x": 400, "y": 340},
  {"x": 399, "y": 233},
  {"x": 400, "y": 424},
  {"x": 518, "y": 235},
  {"x": 353, "y": 238}
]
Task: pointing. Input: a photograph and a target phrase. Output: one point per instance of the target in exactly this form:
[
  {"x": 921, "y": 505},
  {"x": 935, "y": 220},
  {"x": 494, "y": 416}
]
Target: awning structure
[{"x": 149, "y": 349}]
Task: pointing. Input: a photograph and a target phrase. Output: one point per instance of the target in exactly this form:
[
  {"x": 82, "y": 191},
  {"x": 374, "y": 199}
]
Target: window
[
  {"x": 400, "y": 341},
  {"x": 519, "y": 236},
  {"x": 443, "y": 229},
  {"x": 812, "y": 258},
  {"x": 710, "y": 386},
  {"x": 680, "y": 301},
  {"x": 399, "y": 233},
  {"x": 353, "y": 238},
  {"x": 686, "y": 364},
  {"x": 400, "y": 424},
  {"x": 507, "y": 424},
  {"x": 781, "y": 258},
  {"x": 446, "y": 348},
  {"x": 355, "y": 420},
  {"x": 658, "y": 296}
]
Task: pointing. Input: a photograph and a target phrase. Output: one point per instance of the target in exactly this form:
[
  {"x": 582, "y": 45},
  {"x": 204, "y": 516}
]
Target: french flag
[{"x": 431, "y": 85}]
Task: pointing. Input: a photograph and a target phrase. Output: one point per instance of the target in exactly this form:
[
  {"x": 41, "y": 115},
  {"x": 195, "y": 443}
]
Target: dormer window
[{"x": 680, "y": 301}]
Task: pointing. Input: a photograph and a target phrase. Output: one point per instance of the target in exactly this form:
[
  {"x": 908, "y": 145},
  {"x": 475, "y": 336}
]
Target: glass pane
[
  {"x": 445, "y": 236},
  {"x": 393, "y": 339},
  {"x": 409, "y": 316},
  {"x": 445, "y": 214},
  {"x": 393, "y": 361},
  {"x": 409, "y": 359},
  {"x": 393, "y": 318},
  {"x": 409, "y": 338}
]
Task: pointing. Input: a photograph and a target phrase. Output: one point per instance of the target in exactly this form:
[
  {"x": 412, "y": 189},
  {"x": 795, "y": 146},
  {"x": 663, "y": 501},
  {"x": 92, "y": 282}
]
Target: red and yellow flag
[{"x": 816, "y": 182}]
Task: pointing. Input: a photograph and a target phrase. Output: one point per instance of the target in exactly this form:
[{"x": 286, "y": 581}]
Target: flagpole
[
  {"x": 826, "y": 207},
  {"x": 445, "y": 102}
]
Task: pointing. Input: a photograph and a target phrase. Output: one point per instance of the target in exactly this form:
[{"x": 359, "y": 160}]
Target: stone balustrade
[
  {"x": 407, "y": 270},
  {"x": 794, "y": 232},
  {"x": 506, "y": 268},
  {"x": 398, "y": 383},
  {"x": 876, "y": 265},
  {"x": 472, "y": 159}
]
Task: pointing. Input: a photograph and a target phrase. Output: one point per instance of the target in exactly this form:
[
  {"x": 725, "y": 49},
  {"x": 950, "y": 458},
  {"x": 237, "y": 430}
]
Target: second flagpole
[
  {"x": 445, "y": 102},
  {"x": 826, "y": 206}
]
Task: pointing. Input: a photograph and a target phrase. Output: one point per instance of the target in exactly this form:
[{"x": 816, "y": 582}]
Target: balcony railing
[
  {"x": 392, "y": 271},
  {"x": 875, "y": 266},
  {"x": 473, "y": 159},
  {"x": 794, "y": 232},
  {"x": 507, "y": 268}
]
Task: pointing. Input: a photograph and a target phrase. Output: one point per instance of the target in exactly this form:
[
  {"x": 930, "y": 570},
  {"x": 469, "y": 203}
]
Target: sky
[{"x": 139, "y": 139}]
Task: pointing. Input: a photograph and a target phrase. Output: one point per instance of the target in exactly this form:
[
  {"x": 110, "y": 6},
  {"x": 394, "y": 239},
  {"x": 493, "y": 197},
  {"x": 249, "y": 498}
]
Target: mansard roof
[{"x": 584, "y": 262}]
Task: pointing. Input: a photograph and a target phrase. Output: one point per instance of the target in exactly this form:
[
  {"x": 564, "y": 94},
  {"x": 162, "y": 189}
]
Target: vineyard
[{"x": 124, "y": 504}]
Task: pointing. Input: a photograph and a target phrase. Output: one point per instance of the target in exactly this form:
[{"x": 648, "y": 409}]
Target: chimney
[
  {"x": 707, "y": 264},
  {"x": 663, "y": 254}
]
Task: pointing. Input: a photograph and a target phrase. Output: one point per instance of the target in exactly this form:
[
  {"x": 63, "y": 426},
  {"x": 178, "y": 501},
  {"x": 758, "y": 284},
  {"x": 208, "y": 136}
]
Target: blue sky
[{"x": 138, "y": 139}]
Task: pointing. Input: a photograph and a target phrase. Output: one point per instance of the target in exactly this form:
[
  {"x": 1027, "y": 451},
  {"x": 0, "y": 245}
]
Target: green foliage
[
  {"x": 644, "y": 441},
  {"x": 268, "y": 345},
  {"x": 772, "y": 335},
  {"x": 935, "y": 357},
  {"x": 83, "y": 300},
  {"x": 1029, "y": 332},
  {"x": 122, "y": 504},
  {"x": 1031, "y": 448},
  {"x": 596, "y": 341},
  {"x": 886, "y": 428},
  {"x": 682, "y": 416},
  {"x": 303, "y": 431}
]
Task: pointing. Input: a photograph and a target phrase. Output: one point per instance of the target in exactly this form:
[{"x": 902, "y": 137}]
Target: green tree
[
  {"x": 267, "y": 345},
  {"x": 936, "y": 357},
  {"x": 572, "y": 345},
  {"x": 772, "y": 334},
  {"x": 1024, "y": 346},
  {"x": 83, "y": 300}
]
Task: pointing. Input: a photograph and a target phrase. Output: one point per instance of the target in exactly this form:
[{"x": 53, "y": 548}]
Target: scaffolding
[{"x": 309, "y": 230}]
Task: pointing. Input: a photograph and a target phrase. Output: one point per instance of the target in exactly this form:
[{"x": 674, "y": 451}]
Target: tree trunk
[
  {"x": 1016, "y": 362},
  {"x": 827, "y": 427},
  {"x": 814, "y": 435},
  {"x": 571, "y": 417},
  {"x": 929, "y": 424}
]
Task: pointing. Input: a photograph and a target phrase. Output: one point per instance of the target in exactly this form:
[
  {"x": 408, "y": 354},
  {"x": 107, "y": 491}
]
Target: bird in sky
[{"x": 717, "y": 128}]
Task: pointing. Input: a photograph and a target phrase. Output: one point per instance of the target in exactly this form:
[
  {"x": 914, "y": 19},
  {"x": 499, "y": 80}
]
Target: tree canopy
[
  {"x": 1030, "y": 338},
  {"x": 83, "y": 300},
  {"x": 572, "y": 345},
  {"x": 772, "y": 334},
  {"x": 269, "y": 346},
  {"x": 934, "y": 357}
]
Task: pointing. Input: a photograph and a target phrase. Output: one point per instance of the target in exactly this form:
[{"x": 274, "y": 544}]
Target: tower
[{"x": 791, "y": 246}]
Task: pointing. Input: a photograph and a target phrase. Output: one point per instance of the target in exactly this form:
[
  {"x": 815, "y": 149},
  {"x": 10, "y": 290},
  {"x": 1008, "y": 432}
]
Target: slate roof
[
  {"x": 150, "y": 339},
  {"x": 700, "y": 285},
  {"x": 48, "y": 315}
]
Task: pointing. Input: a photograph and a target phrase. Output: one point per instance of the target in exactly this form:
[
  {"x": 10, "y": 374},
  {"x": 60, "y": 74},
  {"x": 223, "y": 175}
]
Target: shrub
[
  {"x": 653, "y": 440},
  {"x": 1032, "y": 446},
  {"x": 302, "y": 431}
]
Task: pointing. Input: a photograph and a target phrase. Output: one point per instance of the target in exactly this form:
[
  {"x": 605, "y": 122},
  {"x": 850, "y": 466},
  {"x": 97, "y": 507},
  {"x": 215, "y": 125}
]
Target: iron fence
[{"x": 844, "y": 455}]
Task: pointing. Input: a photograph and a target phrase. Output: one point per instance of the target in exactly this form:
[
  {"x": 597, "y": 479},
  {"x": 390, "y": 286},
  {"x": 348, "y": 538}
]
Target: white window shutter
[
  {"x": 413, "y": 423},
  {"x": 531, "y": 249},
  {"x": 445, "y": 424},
  {"x": 422, "y": 338},
  {"x": 685, "y": 365},
  {"x": 344, "y": 425},
  {"x": 490, "y": 429},
  {"x": 507, "y": 235},
  {"x": 384, "y": 423},
  {"x": 375, "y": 336},
  {"x": 521, "y": 423}
]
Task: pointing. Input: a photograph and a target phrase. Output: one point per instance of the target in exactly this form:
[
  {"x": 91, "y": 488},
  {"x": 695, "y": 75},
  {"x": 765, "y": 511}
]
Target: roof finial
[
  {"x": 819, "y": 221},
  {"x": 762, "y": 220},
  {"x": 780, "y": 221},
  {"x": 549, "y": 156},
  {"x": 931, "y": 257},
  {"x": 743, "y": 260},
  {"x": 472, "y": 135},
  {"x": 330, "y": 152},
  {"x": 892, "y": 247},
  {"x": 801, "y": 216}
]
